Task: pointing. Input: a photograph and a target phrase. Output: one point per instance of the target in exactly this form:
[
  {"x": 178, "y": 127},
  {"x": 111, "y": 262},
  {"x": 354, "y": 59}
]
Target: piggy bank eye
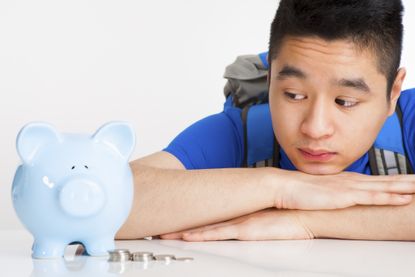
[
  {"x": 86, "y": 166},
  {"x": 73, "y": 167}
]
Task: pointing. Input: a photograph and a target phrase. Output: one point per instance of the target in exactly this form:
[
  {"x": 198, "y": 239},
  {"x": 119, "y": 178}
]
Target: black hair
[{"x": 373, "y": 24}]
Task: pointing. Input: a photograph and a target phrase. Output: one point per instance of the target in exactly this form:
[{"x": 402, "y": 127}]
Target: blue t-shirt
[{"x": 217, "y": 141}]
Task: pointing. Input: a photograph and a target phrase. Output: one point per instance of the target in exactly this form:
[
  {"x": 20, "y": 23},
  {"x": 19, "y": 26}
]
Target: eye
[
  {"x": 294, "y": 96},
  {"x": 86, "y": 166},
  {"x": 346, "y": 103},
  {"x": 73, "y": 167}
]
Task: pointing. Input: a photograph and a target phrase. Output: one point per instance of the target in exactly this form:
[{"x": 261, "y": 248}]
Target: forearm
[
  {"x": 362, "y": 222},
  {"x": 168, "y": 200}
]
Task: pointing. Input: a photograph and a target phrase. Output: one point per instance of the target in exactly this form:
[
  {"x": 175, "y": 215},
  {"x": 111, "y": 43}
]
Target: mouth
[{"x": 318, "y": 155}]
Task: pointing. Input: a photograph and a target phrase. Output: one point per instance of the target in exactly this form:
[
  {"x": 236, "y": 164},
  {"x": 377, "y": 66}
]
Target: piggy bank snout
[{"x": 81, "y": 197}]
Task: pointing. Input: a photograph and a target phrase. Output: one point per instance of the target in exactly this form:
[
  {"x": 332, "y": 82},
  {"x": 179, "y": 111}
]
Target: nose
[
  {"x": 317, "y": 123},
  {"x": 81, "y": 197}
]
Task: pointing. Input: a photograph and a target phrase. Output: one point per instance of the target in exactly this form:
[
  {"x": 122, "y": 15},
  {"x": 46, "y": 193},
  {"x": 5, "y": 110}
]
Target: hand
[
  {"x": 298, "y": 190},
  {"x": 269, "y": 224}
]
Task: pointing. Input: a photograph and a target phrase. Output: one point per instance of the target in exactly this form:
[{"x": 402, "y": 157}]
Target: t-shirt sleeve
[
  {"x": 213, "y": 142},
  {"x": 407, "y": 103}
]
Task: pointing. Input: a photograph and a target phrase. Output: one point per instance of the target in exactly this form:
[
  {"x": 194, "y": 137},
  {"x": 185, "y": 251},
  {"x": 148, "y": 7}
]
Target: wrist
[
  {"x": 282, "y": 183},
  {"x": 310, "y": 222},
  {"x": 273, "y": 181}
]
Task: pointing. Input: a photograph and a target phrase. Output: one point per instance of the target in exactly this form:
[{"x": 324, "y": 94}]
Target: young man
[{"x": 334, "y": 80}]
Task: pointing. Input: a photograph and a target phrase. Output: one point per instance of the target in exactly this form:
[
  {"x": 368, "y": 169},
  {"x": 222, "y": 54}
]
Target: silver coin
[
  {"x": 166, "y": 258},
  {"x": 142, "y": 256},
  {"x": 184, "y": 259},
  {"x": 119, "y": 256}
]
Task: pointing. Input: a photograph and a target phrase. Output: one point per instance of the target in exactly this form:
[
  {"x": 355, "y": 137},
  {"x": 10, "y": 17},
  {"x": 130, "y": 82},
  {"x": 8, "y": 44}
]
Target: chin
[{"x": 319, "y": 169}]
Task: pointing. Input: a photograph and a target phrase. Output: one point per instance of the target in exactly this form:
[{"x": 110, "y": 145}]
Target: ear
[
  {"x": 117, "y": 135},
  {"x": 396, "y": 90},
  {"x": 32, "y": 137}
]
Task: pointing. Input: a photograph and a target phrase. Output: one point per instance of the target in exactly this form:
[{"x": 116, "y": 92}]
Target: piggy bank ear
[
  {"x": 117, "y": 135},
  {"x": 33, "y": 137}
]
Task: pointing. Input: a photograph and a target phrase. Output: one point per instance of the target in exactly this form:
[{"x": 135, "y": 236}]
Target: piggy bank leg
[
  {"x": 46, "y": 248},
  {"x": 99, "y": 246}
]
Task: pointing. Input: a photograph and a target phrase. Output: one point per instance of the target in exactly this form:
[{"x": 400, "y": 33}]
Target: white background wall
[{"x": 157, "y": 64}]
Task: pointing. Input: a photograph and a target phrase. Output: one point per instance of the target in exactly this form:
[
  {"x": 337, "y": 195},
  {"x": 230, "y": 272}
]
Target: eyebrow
[
  {"x": 358, "y": 84},
  {"x": 291, "y": 71}
]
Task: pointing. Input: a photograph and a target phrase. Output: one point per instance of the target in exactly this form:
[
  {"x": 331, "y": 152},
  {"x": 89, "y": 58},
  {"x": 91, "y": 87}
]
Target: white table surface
[{"x": 223, "y": 258}]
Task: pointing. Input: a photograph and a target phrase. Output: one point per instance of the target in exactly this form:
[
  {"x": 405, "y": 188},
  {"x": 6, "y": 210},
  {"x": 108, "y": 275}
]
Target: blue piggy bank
[{"x": 73, "y": 188}]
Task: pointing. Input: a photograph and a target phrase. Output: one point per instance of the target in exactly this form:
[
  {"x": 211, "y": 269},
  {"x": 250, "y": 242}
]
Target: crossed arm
[
  {"x": 251, "y": 204},
  {"x": 370, "y": 223},
  {"x": 367, "y": 223}
]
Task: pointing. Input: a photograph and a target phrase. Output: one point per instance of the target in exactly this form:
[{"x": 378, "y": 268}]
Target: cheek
[
  {"x": 286, "y": 123},
  {"x": 357, "y": 131},
  {"x": 366, "y": 121}
]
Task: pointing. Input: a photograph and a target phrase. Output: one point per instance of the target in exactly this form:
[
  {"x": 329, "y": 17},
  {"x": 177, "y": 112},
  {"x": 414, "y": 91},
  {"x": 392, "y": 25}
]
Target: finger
[
  {"x": 218, "y": 233},
  {"x": 381, "y": 198},
  {"x": 175, "y": 235},
  {"x": 179, "y": 235},
  {"x": 395, "y": 177},
  {"x": 389, "y": 186}
]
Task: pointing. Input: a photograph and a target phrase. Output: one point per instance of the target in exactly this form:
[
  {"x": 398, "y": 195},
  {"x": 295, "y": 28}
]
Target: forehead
[
  {"x": 328, "y": 60},
  {"x": 316, "y": 50}
]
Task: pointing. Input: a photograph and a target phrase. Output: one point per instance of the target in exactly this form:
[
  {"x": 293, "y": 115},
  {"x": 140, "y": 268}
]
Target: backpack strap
[
  {"x": 258, "y": 136},
  {"x": 409, "y": 167},
  {"x": 276, "y": 157},
  {"x": 388, "y": 155}
]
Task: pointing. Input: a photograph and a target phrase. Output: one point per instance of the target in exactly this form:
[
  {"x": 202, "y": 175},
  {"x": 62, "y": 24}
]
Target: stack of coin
[
  {"x": 119, "y": 255},
  {"x": 123, "y": 255},
  {"x": 142, "y": 256},
  {"x": 165, "y": 257}
]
